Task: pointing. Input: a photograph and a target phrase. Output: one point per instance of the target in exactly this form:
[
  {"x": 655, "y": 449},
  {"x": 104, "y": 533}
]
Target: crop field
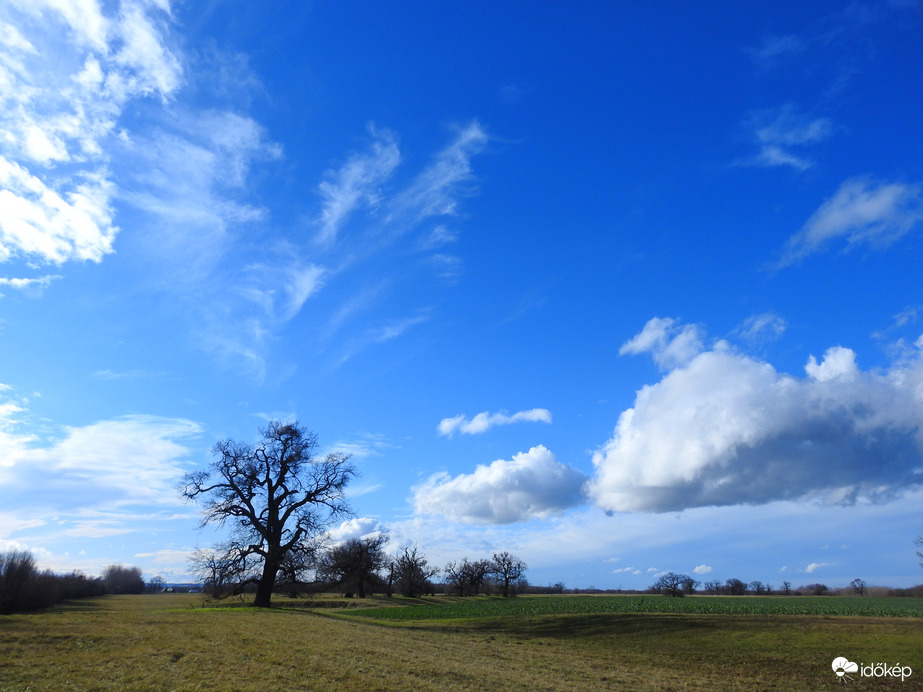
[
  {"x": 698, "y": 605},
  {"x": 174, "y": 642}
]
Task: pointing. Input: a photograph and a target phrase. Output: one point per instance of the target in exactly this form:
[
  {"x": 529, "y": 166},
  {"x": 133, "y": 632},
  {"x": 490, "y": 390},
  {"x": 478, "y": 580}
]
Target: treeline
[
  {"x": 361, "y": 567},
  {"x": 678, "y": 585},
  {"x": 24, "y": 588}
]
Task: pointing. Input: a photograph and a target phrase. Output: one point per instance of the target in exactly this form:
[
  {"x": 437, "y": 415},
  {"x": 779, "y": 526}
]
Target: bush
[
  {"x": 122, "y": 579},
  {"x": 23, "y": 588}
]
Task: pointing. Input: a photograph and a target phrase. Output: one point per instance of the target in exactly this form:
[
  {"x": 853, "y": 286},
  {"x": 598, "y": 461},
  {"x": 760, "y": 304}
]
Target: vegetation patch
[
  {"x": 699, "y": 605},
  {"x": 168, "y": 641}
]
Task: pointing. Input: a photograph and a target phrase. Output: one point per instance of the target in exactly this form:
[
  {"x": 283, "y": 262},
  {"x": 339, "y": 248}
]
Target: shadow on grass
[{"x": 596, "y": 625}]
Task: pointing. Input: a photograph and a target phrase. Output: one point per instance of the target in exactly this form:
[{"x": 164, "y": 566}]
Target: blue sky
[{"x": 618, "y": 288}]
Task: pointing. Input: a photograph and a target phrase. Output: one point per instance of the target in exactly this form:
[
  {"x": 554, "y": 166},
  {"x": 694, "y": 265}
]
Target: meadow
[{"x": 174, "y": 642}]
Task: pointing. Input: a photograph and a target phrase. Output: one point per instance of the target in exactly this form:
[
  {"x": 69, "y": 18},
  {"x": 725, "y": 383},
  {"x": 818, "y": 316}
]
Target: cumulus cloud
[
  {"x": 702, "y": 569},
  {"x": 485, "y": 420},
  {"x": 861, "y": 212},
  {"x": 532, "y": 485},
  {"x": 357, "y": 527},
  {"x": 810, "y": 569},
  {"x": 726, "y": 429},
  {"x": 669, "y": 342}
]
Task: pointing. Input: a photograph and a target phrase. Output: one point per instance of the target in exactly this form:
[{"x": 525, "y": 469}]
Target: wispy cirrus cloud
[
  {"x": 485, "y": 420},
  {"x": 356, "y": 183},
  {"x": 785, "y": 136},
  {"x": 861, "y": 212}
]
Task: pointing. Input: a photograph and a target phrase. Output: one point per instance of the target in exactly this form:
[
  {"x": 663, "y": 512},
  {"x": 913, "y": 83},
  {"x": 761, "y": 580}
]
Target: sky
[{"x": 619, "y": 288}]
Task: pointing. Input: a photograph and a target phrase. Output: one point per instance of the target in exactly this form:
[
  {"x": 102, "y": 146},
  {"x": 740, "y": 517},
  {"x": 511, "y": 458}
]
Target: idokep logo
[{"x": 843, "y": 666}]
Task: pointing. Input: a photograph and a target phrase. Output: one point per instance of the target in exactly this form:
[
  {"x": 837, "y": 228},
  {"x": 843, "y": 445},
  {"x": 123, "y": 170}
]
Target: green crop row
[{"x": 701, "y": 605}]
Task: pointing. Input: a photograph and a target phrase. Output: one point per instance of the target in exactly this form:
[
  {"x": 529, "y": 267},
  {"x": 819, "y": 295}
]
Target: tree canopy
[{"x": 276, "y": 495}]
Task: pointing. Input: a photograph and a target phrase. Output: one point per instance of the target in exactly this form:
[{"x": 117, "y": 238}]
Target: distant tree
[
  {"x": 410, "y": 573},
  {"x": 156, "y": 584},
  {"x": 221, "y": 570},
  {"x": 670, "y": 584},
  {"x": 121, "y": 579},
  {"x": 17, "y": 581},
  {"x": 466, "y": 578},
  {"x": 354, "y": 565},
  {"x": 689, "y": 585},
  {"x": 712, "y": 587},
  {"x": 278, "y": 496},
  {"x": 919, "y": 541},
  {"x": 508, "y": 571},
  {"x": 557, "y": 587},
  {"x": 858, "y": 587},
  {"x": 758, "y": 587},
  {"x": 786, "y": 587},
  {"x": 735, "y": 587},
  {"x": 817, "y": 589}
]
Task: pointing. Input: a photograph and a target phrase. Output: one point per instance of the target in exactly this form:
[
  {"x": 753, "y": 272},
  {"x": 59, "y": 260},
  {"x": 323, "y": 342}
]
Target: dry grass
[{"x": 162, "y": 642}]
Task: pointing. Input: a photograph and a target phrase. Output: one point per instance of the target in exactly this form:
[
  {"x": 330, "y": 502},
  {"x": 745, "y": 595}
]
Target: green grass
[
  {"x": 170, "y": 642},
  {"x": 699, "y": 605}
]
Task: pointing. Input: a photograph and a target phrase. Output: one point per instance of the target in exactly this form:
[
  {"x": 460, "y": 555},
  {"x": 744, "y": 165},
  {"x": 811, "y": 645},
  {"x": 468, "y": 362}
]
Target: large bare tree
[
  {"x": 276, "y": 495},
  {"x": 508, "y": 571}
]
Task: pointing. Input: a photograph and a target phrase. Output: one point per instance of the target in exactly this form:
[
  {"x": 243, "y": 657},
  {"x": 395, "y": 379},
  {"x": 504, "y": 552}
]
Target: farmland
[
  {"x": 174, "y": 642},
  {"x": 701, "y": 605}
]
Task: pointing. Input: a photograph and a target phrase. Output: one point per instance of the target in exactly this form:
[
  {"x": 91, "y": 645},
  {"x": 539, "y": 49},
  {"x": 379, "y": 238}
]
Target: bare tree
[
  {"x": 919, "y": 541},
  {"x": 689, "y": 585},
  {"x": 786, "y": 587},
  {"x": 508, "y": 571},
  {"x": 410, "y": 573},
  {"x": 277, "y": 495},
  {"x": 466, "y": 578},
  {"x": 355, "y": 564},
  {"x": 758, "y": 587},
  {"x": 735, "y": 587},
  {"x": 858, "y": 587},
  {"x": 713, "y": 587},
  {"x": 671, "y": 584}
]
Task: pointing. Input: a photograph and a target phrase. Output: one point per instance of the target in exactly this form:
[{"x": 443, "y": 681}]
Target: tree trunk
[{"x": 265, "y": 585}]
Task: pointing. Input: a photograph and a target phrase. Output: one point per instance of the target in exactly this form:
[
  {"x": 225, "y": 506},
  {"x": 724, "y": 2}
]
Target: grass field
[{"x": 171, "y": 642}]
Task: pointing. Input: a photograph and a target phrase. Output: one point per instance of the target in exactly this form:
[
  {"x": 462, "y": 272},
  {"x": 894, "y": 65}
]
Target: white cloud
[
  {"x": 862, "y": 212},
  {"x": 71, "y": 221},
  {"x": 358, "y": 182},
  {"x": 810, "y": 569},
  {"x": 67, "y": 71},
  {"x": 627, "y": 570},
  {"x": 127, "y": 460},
  {"x": 783, "y": 133},
  {"x": 436, "y": 190},
  {"x": 669, "y": 343},
  {"x": 357, "y": 527},
  {"x": 486, "y": 420},
  {"x": 726, "y": 429},
  {"x": 765, "y": 326},
  {"x": 702, "y": 569},
  {"x": 34, "y": 285},
  {"x": 13, "y": 443},
  {"x": 532, "y": 485}
]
